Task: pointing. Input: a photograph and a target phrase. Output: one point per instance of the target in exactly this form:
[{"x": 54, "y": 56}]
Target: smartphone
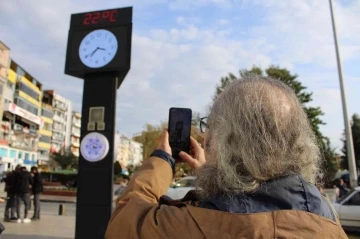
[{"x": 179, "y": 130}]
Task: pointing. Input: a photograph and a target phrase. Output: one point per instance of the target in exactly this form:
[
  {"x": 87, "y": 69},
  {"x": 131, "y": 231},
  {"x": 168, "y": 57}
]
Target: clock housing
[{"x": 116, "y": 21}]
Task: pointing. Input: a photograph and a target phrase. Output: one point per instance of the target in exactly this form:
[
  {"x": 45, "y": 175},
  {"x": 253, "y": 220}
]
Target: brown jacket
[{"x": 139, "y": 215}]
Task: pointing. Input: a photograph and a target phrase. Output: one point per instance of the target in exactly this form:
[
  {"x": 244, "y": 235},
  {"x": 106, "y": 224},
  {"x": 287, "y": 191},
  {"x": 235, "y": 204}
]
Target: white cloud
[
  {"x": 180, "y": 64},
  {"x": 224, "y": 22}
]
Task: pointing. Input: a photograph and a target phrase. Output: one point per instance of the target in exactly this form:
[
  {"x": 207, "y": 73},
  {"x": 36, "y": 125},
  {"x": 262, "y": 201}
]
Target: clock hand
[
  {"x": 102, "y": 49},
  {"x": 92, "y": 53}
]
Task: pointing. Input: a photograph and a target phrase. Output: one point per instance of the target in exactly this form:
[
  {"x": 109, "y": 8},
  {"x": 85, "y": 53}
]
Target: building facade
[
  {"x": 136, "y": 153},
  {"x": 75, "y": 133},
  {"x": 4, "y": 67},
  {"x": 44, "y": 145},
  {"x": 61, "y": 117},
  {"x": 21, "y": 119}
]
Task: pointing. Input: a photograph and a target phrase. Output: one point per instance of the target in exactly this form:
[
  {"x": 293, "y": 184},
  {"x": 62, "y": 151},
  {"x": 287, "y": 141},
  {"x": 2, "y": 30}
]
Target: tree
[
  {"x": 355, "y": 129},
  {"x": 329, "y": 163},
  {"x": 66, "y": 160},
  {"x": 289, "y": 79},
  {"x": 313, "y": 113},
  {"x": 151, "y": 136},
  {"x": 117, "y": 168}
]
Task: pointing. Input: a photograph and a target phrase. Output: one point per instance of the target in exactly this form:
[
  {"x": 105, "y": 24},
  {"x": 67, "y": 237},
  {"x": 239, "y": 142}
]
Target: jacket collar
[{"x": 286, "y": 193}]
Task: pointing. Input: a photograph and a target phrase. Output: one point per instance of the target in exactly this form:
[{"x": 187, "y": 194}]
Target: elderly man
[{"x": 257, "y": 181}]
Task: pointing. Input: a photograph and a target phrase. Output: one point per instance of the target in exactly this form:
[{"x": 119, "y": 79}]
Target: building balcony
[
  {"x": 75, "y": 151},
  {"x": 58, "y": 119},
  {"x": 77, "y": 123},
  {"x": 43, "y": 157},
  {"x": 59, "y": 140},
  {"x": 47, "y": 120},
  {"x": 75, "y": 144},
  {"x": 16, "y": 110},
  {"x": 45, "y": 132},
  {"x": 44, "y": 145},
  {"x": 57, "y": 129},
  {"x": 76, "y": 133},
  {"x": 60, "y": 105},
  {"x": 22, "y": 142},
  {"x": 23, "y": 95}
]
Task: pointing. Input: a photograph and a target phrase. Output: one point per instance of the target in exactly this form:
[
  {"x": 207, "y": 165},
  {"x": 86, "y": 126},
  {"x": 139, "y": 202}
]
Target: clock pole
[
  {"x": 95, "y": 180},
  {"x": 92, "y": 55}
]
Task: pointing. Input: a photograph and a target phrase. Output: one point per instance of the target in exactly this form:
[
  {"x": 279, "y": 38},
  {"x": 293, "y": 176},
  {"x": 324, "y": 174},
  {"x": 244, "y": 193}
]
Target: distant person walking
[
  {"x": 37, "y": 189},
  {"x": 341, "y": 188},
  {"x": 23, "y": 183},
  {"x": 10, "y": 207}
]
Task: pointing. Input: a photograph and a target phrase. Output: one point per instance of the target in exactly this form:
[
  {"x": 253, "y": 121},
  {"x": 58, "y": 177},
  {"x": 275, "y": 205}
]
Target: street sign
[{"x": 98, "y": 51}]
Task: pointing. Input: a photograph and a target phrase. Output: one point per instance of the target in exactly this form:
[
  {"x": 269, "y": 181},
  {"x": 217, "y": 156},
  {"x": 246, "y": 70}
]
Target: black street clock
[
  {"x": 99, "y": 41},
  {"x": 98, "y": 51}
]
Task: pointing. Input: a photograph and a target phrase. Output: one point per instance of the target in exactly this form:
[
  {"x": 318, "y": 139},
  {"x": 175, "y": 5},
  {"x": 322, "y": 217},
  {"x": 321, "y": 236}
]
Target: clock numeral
[
  {"x": 110, "y": 39},
  {"x": 84, "y": 49},
  {"x": 104, "y": 58},
  {"x": 98, "y": 34},
  {"x": 112, "y": 47},
  {"x": 87, "y": 42},
  {"x": 92, "y": 37},
  {"x": 109, "y": 54},
  {"x": 96, "y": 62}
]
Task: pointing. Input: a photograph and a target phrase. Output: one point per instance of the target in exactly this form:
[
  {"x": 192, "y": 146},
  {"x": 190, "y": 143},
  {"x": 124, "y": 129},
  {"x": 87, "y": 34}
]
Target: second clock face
[{"x": 98, "y": 48}]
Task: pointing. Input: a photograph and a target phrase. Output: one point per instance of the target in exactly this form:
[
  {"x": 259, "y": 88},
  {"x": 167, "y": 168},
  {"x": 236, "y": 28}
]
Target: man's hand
[
  {"x": 197, "y": 156},
  {"x": 164, "y": 143}
]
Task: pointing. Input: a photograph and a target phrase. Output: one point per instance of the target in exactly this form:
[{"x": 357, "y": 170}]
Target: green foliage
[
  {"x": 149, "y": 138},
  {"x": 355, "y": 130},
  {"x": 289, "y": 79},
  {"x": 329, "y": 164},
  {"x": 65, "y": 160}
]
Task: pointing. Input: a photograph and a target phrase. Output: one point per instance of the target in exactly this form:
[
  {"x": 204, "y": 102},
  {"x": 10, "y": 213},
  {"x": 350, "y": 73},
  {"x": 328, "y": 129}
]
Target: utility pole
[{"x": 348, "y": 133}]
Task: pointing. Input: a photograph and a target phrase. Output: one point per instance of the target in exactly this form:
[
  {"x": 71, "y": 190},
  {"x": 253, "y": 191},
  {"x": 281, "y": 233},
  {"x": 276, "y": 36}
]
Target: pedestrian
[
  {"x": 23, "y": 183},
  {"x": 37, "y": 189},
  {"x": 256, "y": 175},
  {"x": 10, "y": 207},
  {"x": 340, "y": 188},
  {"x": 2, "y": 228}
]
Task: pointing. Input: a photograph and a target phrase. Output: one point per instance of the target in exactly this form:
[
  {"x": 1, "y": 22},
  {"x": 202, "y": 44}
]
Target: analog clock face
[
  {"x": 98, "y": 48},
  {"x": 94, "y": 147}
]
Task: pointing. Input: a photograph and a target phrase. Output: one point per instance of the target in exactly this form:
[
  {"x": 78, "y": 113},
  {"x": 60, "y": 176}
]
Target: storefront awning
[{"x": 16, "y": 110}]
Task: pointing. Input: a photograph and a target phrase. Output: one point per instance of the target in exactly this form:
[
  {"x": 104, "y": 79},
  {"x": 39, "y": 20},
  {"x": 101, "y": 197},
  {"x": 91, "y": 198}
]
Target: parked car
[
  {"x": 348, "y": 209},
  {"x": 180, "y": 188}
]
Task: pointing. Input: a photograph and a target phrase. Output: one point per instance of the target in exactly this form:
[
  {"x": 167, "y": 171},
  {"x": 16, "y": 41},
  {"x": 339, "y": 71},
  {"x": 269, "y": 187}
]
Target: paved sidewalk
[{"x": 50, "y": 227}]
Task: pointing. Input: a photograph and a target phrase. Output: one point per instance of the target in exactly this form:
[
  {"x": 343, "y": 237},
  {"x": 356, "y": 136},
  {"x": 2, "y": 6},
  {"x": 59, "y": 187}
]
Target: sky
[{"x": 181, "y": 49}]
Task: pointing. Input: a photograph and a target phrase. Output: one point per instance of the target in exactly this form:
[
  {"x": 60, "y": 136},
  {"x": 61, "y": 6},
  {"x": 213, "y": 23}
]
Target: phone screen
[{"x": 179, "y": 130}]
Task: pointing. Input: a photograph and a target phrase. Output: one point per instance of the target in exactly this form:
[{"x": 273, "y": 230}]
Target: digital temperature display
[
  {"x": 104, "y": 18},
  {"x": 93, "y": 18}
]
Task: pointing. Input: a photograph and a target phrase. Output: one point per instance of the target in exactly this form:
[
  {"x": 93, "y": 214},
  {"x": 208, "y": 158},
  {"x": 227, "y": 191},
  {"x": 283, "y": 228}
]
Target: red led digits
[
  {"x": 95, "y": 18},
  {"x": 106, "y": 15},
  {"x": 112, "y": 16},
  {"x": 99, "y": 17},
  {"x": 87, "y": 19}
]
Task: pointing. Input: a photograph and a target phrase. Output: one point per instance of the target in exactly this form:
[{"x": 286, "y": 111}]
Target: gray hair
[{"x": 258, "y": 131}]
